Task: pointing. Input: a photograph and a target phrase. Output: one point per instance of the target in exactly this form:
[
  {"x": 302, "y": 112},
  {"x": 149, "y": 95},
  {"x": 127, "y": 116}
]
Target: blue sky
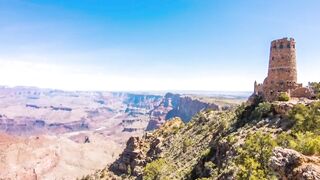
[{"x": 152, "y": 44}]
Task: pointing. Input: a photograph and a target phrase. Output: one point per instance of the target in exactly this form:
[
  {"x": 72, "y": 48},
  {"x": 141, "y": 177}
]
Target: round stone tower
[
  {"x": 282, "y": 61},
  {"x": 282, "y": 72}
]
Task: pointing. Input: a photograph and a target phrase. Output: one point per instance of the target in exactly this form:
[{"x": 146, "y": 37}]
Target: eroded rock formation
[
  {"x": 175, "y": 105},
  {"x": 140, "y": 151}
]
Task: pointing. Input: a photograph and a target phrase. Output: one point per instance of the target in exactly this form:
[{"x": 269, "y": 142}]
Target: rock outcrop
[
  {"x": 175, "y": 105},
  {"x": 290, "y": 164},
  {"x": 140, "y": 151}
]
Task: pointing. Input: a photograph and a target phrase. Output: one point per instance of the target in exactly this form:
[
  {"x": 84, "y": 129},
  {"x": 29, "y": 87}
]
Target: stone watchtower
[
  {"x": 282, "y": 63},
  {"x": 282, "y": 71}
]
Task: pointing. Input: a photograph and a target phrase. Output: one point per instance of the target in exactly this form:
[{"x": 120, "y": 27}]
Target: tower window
[
  {"x": 281, "y": 46},
  {"x": 274, "y": 47},
  {"x": 288, "y": 46},
  {"x": 272, "y": 58},
  {"x": 293, "y": 46}
]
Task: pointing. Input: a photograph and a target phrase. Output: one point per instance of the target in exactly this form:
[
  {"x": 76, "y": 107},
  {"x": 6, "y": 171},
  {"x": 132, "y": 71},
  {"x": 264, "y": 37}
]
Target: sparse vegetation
[
  {"x": 307, "y": 143},
  {"x": 210, "y": 168},
  {"x": 255, "y": 112},
  {"x": 261, "y": 111},
  {"x": 206, "y": 152},
  {"x": 307, "y": 118},
  {"x": 254, "y": 155},
  {"x": 315, "y": 86},
  {"x": 187, "y": 143},
  {"x": 305, "y": 136},
  {"x": 155, "y": 169},
  {"x": 283, "y": 96}
]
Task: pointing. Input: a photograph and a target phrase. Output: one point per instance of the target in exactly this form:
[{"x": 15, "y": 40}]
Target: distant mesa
[{"x": 282, "y": 73}]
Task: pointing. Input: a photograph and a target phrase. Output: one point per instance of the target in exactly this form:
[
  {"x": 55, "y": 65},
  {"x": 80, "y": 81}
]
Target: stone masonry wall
[{"x": 282, "y": 72}]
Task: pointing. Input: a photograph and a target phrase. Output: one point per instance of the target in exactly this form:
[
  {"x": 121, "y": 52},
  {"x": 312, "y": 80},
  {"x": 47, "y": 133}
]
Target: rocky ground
[{"x": 291, "y": 164}]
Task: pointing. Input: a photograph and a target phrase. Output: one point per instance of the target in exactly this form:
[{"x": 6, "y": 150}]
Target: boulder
[{"x": 290, "y": 164}]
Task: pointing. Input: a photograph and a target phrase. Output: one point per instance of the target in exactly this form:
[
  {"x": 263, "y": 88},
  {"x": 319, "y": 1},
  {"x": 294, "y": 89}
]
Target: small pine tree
[
  {"x": 283, "y": 96},
  {"x": 153, "y": 170}
]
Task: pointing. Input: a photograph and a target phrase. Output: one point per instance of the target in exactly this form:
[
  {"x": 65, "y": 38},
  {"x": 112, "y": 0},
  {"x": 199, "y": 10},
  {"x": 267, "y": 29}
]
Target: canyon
[{"x": 54, "y": 134}]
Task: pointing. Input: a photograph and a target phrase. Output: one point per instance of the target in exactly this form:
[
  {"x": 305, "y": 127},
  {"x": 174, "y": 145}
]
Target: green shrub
[
  {"x": 315, "y": 86},
  {"x": 306, "y": 118},
  {"x": 155, "y": 169},
  {"x": 261, "y": 111},
  {"x": 254, "y": 155},
  {"x": 283, "y": 96},
  {"x": 251, "y": 169},
  {"x": 255, "y": 112},
  {"x": 284, "y": 139},
  {"x": 240, "y": 110},
  {"x": 187, "y": 143},
  {"x": 206, "y": 152},
  {"x": 231, "y": 139},
  {"x": 243, "y": 112},
  {"x": 210, "y": 168},
  {"x": 175, "y": 129},
  {"x": 307, "y": 143}
]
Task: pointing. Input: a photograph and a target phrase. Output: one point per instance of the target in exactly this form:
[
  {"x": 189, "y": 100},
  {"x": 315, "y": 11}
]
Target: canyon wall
[{"x": 175, "y": 105}]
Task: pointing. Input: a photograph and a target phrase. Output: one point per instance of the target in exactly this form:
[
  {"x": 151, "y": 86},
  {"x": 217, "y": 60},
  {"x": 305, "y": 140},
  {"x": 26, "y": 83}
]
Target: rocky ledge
[
  {"x": 290, "y": 164},
  {"x": 140, "y": 151}
]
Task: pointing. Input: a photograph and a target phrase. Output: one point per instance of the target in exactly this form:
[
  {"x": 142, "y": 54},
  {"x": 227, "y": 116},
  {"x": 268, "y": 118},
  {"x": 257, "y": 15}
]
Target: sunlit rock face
[{"x": 175, "y": 105}]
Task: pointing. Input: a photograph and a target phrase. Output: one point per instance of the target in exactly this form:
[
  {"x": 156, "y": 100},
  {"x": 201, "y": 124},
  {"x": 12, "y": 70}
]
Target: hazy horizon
[
  {"x": 127, "y": 45},
  {"x": 151, "y": 92}
]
